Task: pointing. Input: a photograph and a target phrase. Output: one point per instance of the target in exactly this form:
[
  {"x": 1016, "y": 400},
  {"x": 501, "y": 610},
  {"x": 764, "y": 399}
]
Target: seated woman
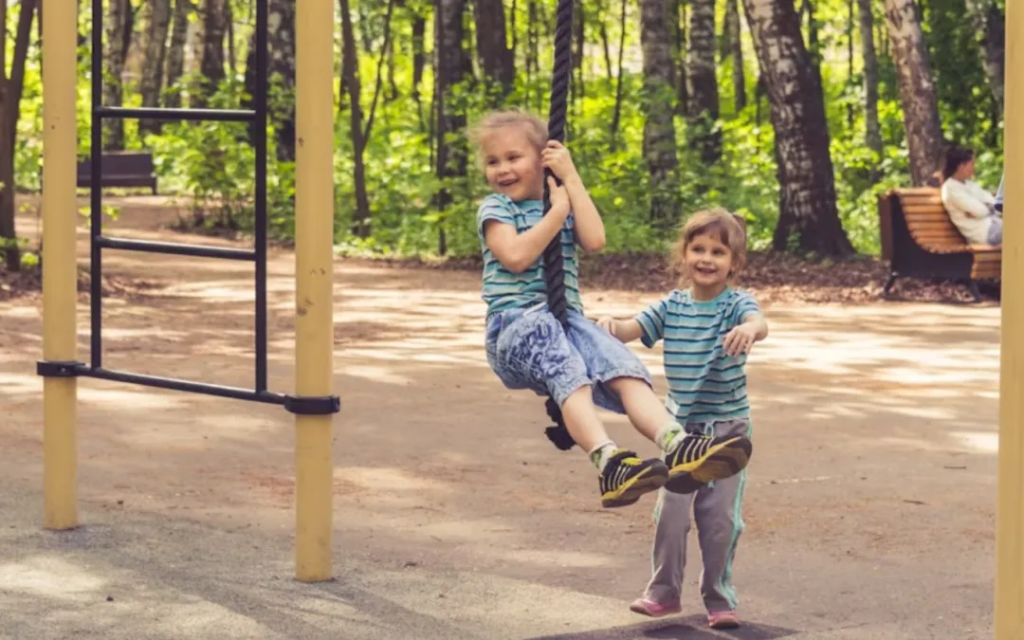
[{"x": 971, "y": 208}]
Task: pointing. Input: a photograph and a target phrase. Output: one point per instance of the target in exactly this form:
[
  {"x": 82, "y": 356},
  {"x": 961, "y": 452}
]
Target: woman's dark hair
[{"x": 955, "y": 156}]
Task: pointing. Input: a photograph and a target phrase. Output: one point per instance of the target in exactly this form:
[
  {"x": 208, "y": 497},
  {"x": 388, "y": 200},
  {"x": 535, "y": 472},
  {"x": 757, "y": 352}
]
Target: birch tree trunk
[
  {"x": 659, "y": 146},
  {"x": 735, "y": 47},
  {"x": 990, "y": 24},
  {"x": 496, "y": 60},
  {"x": 176, "y": 52},
  {"x": 361, "y": 220},
  {"x": 281, "y": 59},
  {"x": 872, "y": 130},
  {"x": 703, "y": 84},
  {"x": 211, "y": 64},
  {"x": 10, "y": 110},
  {"x": 450, "y": 70},
  {"x": 808, "y": 218},
  {"x": 153, "y": 60},
  {"x": 114, "y": 56},
  {"x": 917, "y": 89}
]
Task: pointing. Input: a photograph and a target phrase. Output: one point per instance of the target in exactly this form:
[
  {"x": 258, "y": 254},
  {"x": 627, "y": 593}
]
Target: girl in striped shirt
[{"x": 708, "y": 328}]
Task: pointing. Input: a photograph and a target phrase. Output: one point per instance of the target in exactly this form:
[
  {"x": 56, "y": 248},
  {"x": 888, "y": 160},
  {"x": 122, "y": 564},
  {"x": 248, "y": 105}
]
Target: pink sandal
[
  {"x": 723, "y": 620},
  {"x": 647, "y": 607}
]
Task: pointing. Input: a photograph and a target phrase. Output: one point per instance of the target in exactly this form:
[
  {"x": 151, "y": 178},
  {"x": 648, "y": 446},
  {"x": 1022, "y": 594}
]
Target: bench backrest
[
  {"x": 928, "y": 221},
  {"x": 130, "y": 163}
]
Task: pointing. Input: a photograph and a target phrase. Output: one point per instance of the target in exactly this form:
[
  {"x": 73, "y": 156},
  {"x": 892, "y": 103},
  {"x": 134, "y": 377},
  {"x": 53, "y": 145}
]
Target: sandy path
[{"x": 870, "y": 506}]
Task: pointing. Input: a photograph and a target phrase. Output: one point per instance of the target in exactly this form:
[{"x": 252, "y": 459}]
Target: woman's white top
[{"x": 970, "y": 208}]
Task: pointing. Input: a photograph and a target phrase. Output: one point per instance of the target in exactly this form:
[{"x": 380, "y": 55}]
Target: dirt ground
[{"x": 869, "y": 508}]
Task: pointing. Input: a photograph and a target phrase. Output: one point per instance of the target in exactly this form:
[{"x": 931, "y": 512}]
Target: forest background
[{"x": 795, "y": 115}]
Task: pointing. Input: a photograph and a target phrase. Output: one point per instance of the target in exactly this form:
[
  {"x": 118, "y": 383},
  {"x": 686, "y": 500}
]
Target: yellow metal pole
[
  {"x": 60, "y": 440},
  {"x": 1009, "y": 601},
  {"x": 314, "y": 233}
]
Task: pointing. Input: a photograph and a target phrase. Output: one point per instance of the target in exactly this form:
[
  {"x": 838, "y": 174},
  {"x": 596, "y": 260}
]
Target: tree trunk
[
  {"x": 211, "y": 65},
  {"x": 872, "y": 130},
  {"x": 449, "y": 71},
  {"x": 361, "y": 222},
  {"x": 577, "y": 87},
  {"x": 281, "y": 60},
  {"x": 229, "y": 35},
  {"x": 176, "y": 52},
  {"x": 618, "y": 85},
  {"x": 153, "y": 60},
  {"x": 496, "y": 60},
  {"x": 813, "y": 41},
  {"x": 990, "y": 23},
  {"x": 114, "y": 56},
  {"x": 10, "y": 110},
  {"x": 703, "y": 84},
  {"x": 607, "y": 48},
  {"x": 419, "y": 60},
  {"x": 659, "y": 97},
  {"x": 735, "y": 48},
  {"x": 682, "y": 77},
  {"x": 917, "y": 89},
  {"x": 808, "y": 217},
  {"x": 379, "y": 85}
]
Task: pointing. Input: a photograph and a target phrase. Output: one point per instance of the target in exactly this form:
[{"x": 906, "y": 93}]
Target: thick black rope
[{"x": 554, "y": 264}]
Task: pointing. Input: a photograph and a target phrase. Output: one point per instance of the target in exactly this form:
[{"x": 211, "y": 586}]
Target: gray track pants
[{"x": 716, "y": 508}]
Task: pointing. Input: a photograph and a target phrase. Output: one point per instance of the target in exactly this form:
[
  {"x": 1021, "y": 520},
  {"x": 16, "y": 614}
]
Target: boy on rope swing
[{"x": 583, "y": 366}]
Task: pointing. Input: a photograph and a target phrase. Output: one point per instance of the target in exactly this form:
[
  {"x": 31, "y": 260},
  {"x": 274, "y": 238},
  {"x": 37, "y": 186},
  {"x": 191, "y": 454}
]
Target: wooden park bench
[
  {"x": 121, "y": 169},
  {"x": 920, "y": 241}
]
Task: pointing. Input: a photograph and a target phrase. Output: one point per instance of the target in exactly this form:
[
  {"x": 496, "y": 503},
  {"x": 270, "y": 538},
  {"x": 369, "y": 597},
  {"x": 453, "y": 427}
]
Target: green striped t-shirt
[
  {"x": 704, "y": 383},
  {"x": 503, "y": 289}
]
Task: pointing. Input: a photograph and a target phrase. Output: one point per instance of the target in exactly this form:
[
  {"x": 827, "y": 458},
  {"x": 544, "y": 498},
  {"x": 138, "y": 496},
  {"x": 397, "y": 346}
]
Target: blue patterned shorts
[{"x": 529, "y": 349}]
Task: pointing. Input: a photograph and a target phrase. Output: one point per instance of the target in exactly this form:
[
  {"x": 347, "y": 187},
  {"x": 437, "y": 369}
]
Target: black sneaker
[
  {"x": 627, "y": 477},
  {"x": 697, "y": 459}
]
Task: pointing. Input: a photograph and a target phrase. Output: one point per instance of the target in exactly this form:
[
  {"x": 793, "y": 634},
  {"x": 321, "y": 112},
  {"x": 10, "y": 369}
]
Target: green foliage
[{"x": 213, "y": 163}]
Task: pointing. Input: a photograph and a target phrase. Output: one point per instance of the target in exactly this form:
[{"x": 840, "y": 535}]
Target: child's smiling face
[
  {"x": 512, "y": 165},
  {"x": 709, "y": 262}
]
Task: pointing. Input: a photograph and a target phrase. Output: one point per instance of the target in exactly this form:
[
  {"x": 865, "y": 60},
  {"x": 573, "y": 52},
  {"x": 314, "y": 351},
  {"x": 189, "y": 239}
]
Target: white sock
[
  {"x": 601, "y": 454},
  {"x": 666, "y": 436}
]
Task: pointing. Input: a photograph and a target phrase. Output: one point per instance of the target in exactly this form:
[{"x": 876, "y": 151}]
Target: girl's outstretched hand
[
  {"x": 740, "y": 340},
  {"x": 556, "y": 157},
  {"x": 607, "y": 323}
]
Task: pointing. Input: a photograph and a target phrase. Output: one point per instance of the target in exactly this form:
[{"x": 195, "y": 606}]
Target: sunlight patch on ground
[
  {"x": 560, "y": 558},
  {"x": 377, "y": 374},
  {"x": 133, "y": 400},
  {"x": 14, "y": 383},
  {"x": 27, "y": 311},
  {"x": 49, "y": 577},
  {"x": 388, "y": 479},
  {"x": 477, "y": 530},
  {"x": 952, "y": 378},
  {"x": 978, "y": 441}
]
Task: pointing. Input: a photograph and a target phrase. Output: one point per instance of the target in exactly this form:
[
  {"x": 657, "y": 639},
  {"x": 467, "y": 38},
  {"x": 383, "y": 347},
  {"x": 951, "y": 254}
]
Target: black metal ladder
[{"x": 258, "y": 254}]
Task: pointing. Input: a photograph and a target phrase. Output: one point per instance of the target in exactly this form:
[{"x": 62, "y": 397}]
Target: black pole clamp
[
  {"x": 312, "y": 405},
  {"x": 58, "y": 368}
]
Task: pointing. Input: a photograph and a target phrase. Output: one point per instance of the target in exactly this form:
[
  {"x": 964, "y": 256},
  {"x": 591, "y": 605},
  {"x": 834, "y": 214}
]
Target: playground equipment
[
  {"x": 312, "y": 404},
  {"x": 1009, "y": 592}
]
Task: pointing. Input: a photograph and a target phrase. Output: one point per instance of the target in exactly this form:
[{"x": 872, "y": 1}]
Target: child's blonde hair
[
  {"x": 536, "y": 130},
  {"x": 728, "y": 227}
]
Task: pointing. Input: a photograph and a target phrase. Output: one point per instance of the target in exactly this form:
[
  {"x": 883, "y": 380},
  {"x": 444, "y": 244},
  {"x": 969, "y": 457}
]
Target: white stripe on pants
[{"x": 716, "y": 510}]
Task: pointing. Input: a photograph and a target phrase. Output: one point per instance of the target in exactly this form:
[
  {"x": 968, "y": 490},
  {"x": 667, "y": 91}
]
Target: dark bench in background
[
  {"x": 121, "y": 169},
  {"x": 920, "y": 241}
]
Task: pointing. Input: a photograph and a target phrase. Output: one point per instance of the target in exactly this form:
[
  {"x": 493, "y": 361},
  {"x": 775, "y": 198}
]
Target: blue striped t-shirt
[
  {"x": 705, "y": 384},
  {"x": 503, "y": 289}
]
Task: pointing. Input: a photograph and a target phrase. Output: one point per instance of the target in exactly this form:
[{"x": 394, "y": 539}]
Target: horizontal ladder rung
[
  {"x": 181, "y": 385},
  {"x": 207, "y": 115},
  {"x": 198, "y": 250}
]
